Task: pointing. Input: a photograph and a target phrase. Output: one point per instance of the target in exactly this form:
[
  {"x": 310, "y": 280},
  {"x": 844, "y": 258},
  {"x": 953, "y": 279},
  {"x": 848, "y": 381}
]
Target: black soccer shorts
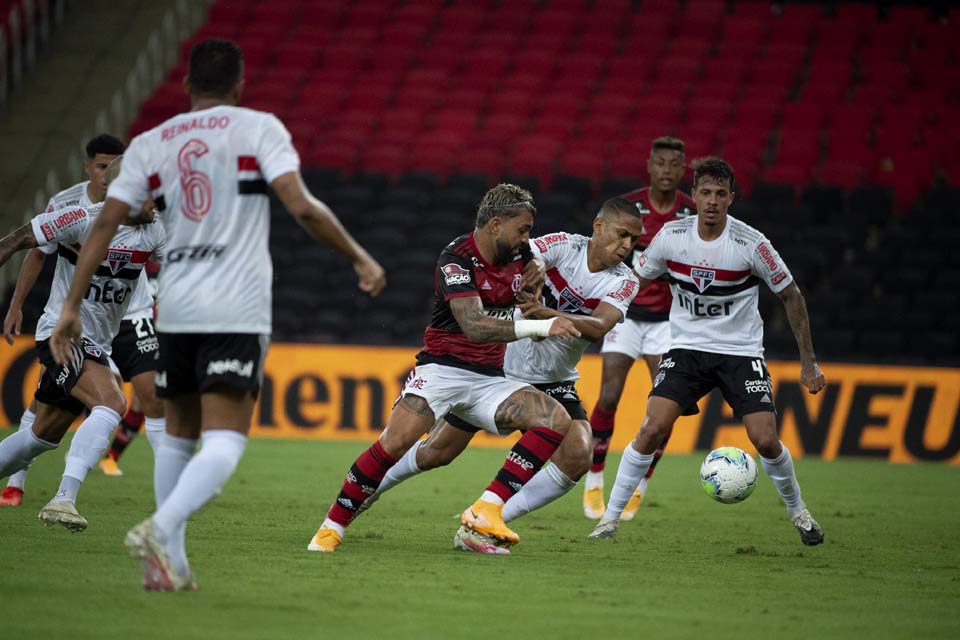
[
  {"x": 58, "y": 381},
  {"x": 196, "y": 362},
  {"x": 135, "y": 348}
]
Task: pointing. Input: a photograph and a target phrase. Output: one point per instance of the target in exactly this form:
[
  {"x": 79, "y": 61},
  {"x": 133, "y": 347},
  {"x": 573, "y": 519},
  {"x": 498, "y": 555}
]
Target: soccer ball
[{"x": 728, "y": 475}]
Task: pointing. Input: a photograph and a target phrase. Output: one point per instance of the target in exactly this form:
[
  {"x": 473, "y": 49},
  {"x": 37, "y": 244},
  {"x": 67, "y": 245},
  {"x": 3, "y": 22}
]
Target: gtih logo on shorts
[{"x": 220, "y": 367}]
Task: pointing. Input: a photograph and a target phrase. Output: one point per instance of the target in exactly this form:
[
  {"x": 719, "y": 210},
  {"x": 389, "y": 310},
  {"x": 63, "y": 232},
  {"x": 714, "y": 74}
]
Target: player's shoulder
[
  {"x": 621, "y": 271},
  {"x": 559, "y": 239},
  {"x": 742, "y": 234},
  {"x": 678, "y": 227},
  {"x": 459, "y": 246},
  {"x": 71, "y": 196}
]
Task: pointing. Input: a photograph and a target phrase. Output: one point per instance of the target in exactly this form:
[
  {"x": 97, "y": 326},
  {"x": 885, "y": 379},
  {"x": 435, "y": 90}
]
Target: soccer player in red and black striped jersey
[
  {"x": 460, "y": 369},
  {"x": 645, "y": 333}
]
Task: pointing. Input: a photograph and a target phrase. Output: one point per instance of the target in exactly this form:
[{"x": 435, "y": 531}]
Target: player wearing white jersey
[
  {"x": 134, "y": 348},
  {"x": 208, "y": 171},
  {"x": 715, "y": 264},
  {"x": 86, "y": 380},
  {"x": 587, "y": 283}
]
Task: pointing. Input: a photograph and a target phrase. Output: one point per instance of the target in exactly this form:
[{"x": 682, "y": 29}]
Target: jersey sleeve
[
  {"x": 769, "y": 266},
  {"x": 550, "y": 248},
  {"x": 652, "y": 263},
  {"x": 622, "y": 291},
  {"x": 64, "y": 226},
  {"x": 455, "y": 276},
  {"x": 160, "y": 244},
  {"x": 132, "y": 186},
  {"x": 276, "y": 155}
]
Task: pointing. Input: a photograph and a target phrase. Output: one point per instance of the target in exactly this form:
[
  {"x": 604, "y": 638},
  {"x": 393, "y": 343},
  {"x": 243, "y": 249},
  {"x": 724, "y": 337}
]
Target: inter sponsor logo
[
  {"x": 220, "y": 367},
  {"x": 767, "y": 256},
  {"x": 702, "y": 277},
  {"x": 702, "y": 309},
  {"x": 454, "y": 274}
]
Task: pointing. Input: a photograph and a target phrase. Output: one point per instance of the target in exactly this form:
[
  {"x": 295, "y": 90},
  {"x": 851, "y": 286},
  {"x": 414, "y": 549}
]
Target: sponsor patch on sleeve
[
  {"x": 47, "y": 231},
  {"x": 627, "y": 291},
  {"x": 454, "y": 274},
  {"x": 778, "y": 278},
  {"x": 767, "y": 257}
]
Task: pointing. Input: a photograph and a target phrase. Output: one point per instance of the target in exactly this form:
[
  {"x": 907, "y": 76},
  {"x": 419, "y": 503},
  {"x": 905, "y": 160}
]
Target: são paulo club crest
[
  {"x": 702, "y": 278},
  {"x": 118, "y": 259}
]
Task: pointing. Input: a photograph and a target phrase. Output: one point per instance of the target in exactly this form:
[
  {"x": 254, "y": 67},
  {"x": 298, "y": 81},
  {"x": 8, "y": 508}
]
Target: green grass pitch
[{"x": 686, "y": 567}]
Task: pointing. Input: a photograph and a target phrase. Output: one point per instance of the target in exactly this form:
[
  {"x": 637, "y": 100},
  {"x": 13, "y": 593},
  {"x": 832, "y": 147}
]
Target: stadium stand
[{"x": 836, "y": 118}]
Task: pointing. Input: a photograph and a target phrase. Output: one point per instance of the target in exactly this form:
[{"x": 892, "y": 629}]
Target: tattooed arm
[
  {"x": 479, "y": 327},
  {"x": 17, "y": 240},
  {"x": 810, "y": 374}
]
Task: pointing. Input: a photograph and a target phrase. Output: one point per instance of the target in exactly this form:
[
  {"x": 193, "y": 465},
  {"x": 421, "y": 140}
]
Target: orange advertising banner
[{"x": 900, "y": 414}]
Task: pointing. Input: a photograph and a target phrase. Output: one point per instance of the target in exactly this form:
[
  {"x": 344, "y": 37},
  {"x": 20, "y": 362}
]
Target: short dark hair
[
  {"x": 105, "y": 144},
  {"x": 504, "y": 201},
  {"x": 619, "y": 206},
  {"x": 712, "y": 167},
  {"x": 667, "y": 142},
  {"x": 216, "y": 66}
]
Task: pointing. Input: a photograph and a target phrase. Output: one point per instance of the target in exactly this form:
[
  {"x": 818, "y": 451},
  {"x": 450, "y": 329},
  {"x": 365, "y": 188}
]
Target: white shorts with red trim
[
  {"x": 634, "y": 338},
  {"x": 474, "y": 397}
]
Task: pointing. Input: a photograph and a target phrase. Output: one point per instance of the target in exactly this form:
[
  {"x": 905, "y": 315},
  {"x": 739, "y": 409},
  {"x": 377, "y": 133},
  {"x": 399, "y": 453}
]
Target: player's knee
[
  {"x": 652, "y": 432},
  {"x": 432, "y": 457},
  {"x": 114, "y": 400},
  {"x": 768, "y": 445},
  {"x": 575, "y": 453},
  {"x": 559, "y": 420},
  {"x": 610, "y": 396}
]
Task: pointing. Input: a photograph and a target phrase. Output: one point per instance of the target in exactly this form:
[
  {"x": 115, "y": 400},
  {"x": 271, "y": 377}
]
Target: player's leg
[
  {"x": 12, "y": 494},
  {"x": 411, "y": 418},
  {"x": 613, "y": 377},
  {"x": 544, "y": 422},
  {"x": 96, "y": 387},
  {"x": 127, "y": 430},
  {"x": 633, "y": 505},
  {"x": 18, "y": 450},
  {"x": 567, "y": 466},
  {"x": 446, "y": 441}
]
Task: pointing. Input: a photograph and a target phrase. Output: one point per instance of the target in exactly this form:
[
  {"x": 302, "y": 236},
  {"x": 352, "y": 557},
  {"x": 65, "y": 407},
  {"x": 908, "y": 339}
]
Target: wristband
[{"x": 531, "y": 328}]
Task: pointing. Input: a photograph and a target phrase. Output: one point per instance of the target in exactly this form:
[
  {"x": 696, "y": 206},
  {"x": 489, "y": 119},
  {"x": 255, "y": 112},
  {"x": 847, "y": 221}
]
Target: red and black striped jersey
[
  {"x": 462, "y": 271},
  {"x": 652, "y": 303}
]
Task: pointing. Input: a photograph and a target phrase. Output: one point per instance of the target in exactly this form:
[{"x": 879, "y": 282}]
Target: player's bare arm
[
  {"x": 323, "y": 225},
  {"x": 532, "y": 278},
  {"x": 810, "y": 374},
  {"x": 479, "y": 327},
  {"x": 17, "y": 240},
  {"x": 29, "y": 271},
  {"x": 592, "y": 327},
  {"x": 529, "y": 407},
  {"x": 102, "y": 230}
]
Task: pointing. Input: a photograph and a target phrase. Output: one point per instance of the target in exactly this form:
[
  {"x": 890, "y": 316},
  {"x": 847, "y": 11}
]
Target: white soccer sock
[
  {"x": 89, "y": 444},
  {"x": 633, "y": 466},
  {"x": 18, "y": 450},
  {"x": 170, "y": 457},
  {"x": 155, "y": 428},
  {"x": 406, "y": 467},
  {"x": 19, "y": 479},
  {"x": 780, "y": 470},
  {"x": 593, "y": 480},
  {"x": 201, "y": 480},
  {"x": 546, "y": 486}
]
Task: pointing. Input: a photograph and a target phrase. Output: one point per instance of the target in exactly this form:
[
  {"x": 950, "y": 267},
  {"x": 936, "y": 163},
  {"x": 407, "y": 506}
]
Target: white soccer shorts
[
  {"x": 634, "y": 338},
  {"x": 474, "y": 397}
]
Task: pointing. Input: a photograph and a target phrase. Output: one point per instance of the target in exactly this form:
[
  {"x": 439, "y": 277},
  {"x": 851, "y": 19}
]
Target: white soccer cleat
[
  {"x": 469, "y": 540},
  {"x": 604, "y": 529},
  {"x": 158, "y": 571},
  {"x": 64, "y": 513},
  {"x": 810, "y": 531}
]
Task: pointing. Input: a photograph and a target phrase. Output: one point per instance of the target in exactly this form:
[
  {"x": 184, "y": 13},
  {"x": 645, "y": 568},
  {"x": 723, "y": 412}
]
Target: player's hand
[
  {"x": 372, "y": 276},
  {"x": 65, "y": 334},
  {"x": 530, "y": 306},
  {"x": 563, "y": 328},
  {"x": 11, "y": 324},
  {"x": 812, "y": 377},
  {"x": 531, "y": 280}
]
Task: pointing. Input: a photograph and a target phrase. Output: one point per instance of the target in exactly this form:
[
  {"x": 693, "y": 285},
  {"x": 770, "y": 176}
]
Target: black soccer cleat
[{"x": 810, "y": 531}]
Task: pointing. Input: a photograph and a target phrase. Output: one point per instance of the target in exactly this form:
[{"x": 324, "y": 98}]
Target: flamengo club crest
[
  {"x": 702, "y": 278},
  {"x": 118, "y": 259}
]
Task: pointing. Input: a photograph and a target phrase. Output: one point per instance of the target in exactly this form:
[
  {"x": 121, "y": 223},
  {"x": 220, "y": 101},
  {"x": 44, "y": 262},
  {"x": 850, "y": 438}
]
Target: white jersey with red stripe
[
  {"x": 141, "y": 306},
  {"x": 208, "y": 172},
  {"x": 715, "y": 284},
  {"x": 113, "y": 284},
  {"x": 570, "y": 287}
]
